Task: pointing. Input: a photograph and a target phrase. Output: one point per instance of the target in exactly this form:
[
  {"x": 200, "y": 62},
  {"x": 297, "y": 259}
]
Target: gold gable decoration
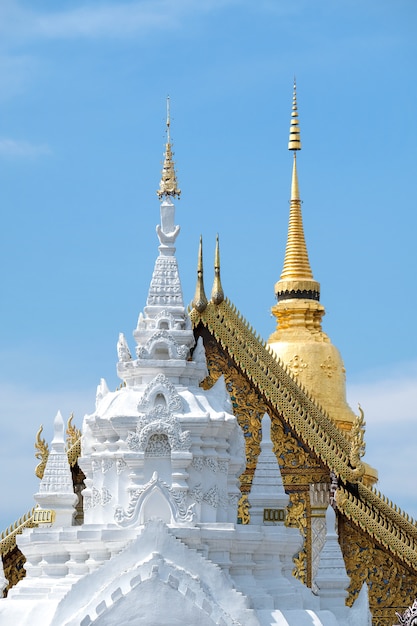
[
  {"x": 299, "y": 468},
  {"x": 278, "y": 386},
  {"x": 388, "y": 526},
  {"x": 378, "y": 540}
]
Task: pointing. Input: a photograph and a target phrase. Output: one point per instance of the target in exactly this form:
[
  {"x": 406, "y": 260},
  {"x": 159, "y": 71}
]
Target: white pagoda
[{"x": 159, "y": 543}]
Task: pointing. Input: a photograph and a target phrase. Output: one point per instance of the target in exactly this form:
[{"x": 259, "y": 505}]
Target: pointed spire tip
[
  {"x": 200, "y": 299},
  {"x": 217, "y": 293},
  {"x": 168, "y": 185},
  {"x": 294, "y": 142}
]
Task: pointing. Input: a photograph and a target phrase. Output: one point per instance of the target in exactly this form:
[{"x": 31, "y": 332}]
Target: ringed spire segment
[
  {"x": 168, "y": 185},
  {"x": 294, "y": 142}
]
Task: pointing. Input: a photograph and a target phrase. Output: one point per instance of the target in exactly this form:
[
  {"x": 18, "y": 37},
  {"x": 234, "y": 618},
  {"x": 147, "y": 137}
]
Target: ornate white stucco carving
[
  {"x": 176, "y": 500},
  {"x": 160, "y": 385},
  {"x": 159, "y": 421},
  {"x": 123, "y": 351}
]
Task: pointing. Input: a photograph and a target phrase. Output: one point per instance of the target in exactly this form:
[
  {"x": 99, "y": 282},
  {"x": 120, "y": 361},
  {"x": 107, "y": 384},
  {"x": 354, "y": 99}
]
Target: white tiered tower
[{"x": 159, "y": 543}]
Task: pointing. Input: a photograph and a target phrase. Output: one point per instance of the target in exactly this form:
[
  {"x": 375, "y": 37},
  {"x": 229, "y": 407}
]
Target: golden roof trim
[
  {"x": 261, "y": 365},
  {"x": 372, "y": 513},
  {"x": 8, "y": 536}
]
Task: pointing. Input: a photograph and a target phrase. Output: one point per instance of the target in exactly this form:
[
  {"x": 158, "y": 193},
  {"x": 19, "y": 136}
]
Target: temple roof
[{"x": 365, "y": 506}]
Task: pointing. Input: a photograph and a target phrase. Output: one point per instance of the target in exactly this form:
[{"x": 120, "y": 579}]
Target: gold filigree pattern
[
  {"x": 278, "y": 387},
  {"x": 297, "y": 518},
  {"x": 243, "y": 514},
  {"x": 8, "y": 536},
  {"x": 308, "y": 448},
  {"x": 391, "y": 585},
  {"x": 329, "y": 366},
  {"x": 13, "y": 566},
  {"x": 296, "y": 365},
  {"x": 299, "y": 468},
  {"x": 381, "y": 522}
]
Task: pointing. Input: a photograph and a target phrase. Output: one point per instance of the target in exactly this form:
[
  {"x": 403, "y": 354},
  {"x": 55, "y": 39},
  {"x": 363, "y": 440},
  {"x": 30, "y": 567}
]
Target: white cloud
[
  {"x": 390, "y": 406},
  {"x": 11, "y": 148},
  {"x": 103, "y": 20}
]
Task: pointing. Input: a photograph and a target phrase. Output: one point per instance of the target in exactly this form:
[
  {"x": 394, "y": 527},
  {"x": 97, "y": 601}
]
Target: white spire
[
  {"x": 332, "y": 579},
  {"x": 163, "y": 335},
  {"x": 56, "y": 490},
  {"x": 267, "y": 492}
]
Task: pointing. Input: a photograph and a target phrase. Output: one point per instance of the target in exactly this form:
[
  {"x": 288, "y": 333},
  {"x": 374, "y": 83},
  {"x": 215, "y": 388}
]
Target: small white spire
[
  {"x": 123, "y": 351},
  {"x": 56, "y": 490},
  {"x": 332, "y": 579},
  {"x": 267, "y": 490}
]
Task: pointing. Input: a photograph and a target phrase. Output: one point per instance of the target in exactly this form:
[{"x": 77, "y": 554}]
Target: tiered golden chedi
[{"x": 299, "y": 340}]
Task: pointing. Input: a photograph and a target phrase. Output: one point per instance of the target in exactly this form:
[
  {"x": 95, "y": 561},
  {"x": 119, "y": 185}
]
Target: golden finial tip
[
  {"x": 294, "y": 142},
  {"x": 200, "y": 299},
  {"x": 217, "y": 293},
  {"x": 168, "y": 185},
  {"x": 168, "y": 113}
]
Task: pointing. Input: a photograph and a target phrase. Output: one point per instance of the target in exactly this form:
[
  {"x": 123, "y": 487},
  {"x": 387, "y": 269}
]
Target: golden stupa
[{"x": 299, "y": 340}]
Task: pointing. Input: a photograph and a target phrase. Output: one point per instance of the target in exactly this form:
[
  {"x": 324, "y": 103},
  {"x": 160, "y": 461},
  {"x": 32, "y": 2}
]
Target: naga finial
[
  {"x": 357, "y": 449},
  {"x": 42, "y": 453},
  {"x": 73, "y": 433}
]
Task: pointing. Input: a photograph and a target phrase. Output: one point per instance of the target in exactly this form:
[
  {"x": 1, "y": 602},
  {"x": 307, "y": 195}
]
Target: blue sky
[{"x": 82, "y": 117}]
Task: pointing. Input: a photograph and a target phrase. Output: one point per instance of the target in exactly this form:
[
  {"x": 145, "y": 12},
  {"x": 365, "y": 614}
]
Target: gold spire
[
  {"x": 200, "y": 300},
  {"x": 299, "y": 341},
  {"x": 294, "y": 142},
  {"x": 296, "y": 280},
  {"x": 168, "y": 185},
  {"x": 217, "y": 293}
]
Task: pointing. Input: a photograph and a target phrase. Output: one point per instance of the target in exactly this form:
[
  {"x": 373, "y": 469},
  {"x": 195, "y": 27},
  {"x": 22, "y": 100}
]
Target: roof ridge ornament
[
  {"x": 168, "y": 185},
  {"x": 217, "y": 293},
  {"x": 200, "y": 299}
]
